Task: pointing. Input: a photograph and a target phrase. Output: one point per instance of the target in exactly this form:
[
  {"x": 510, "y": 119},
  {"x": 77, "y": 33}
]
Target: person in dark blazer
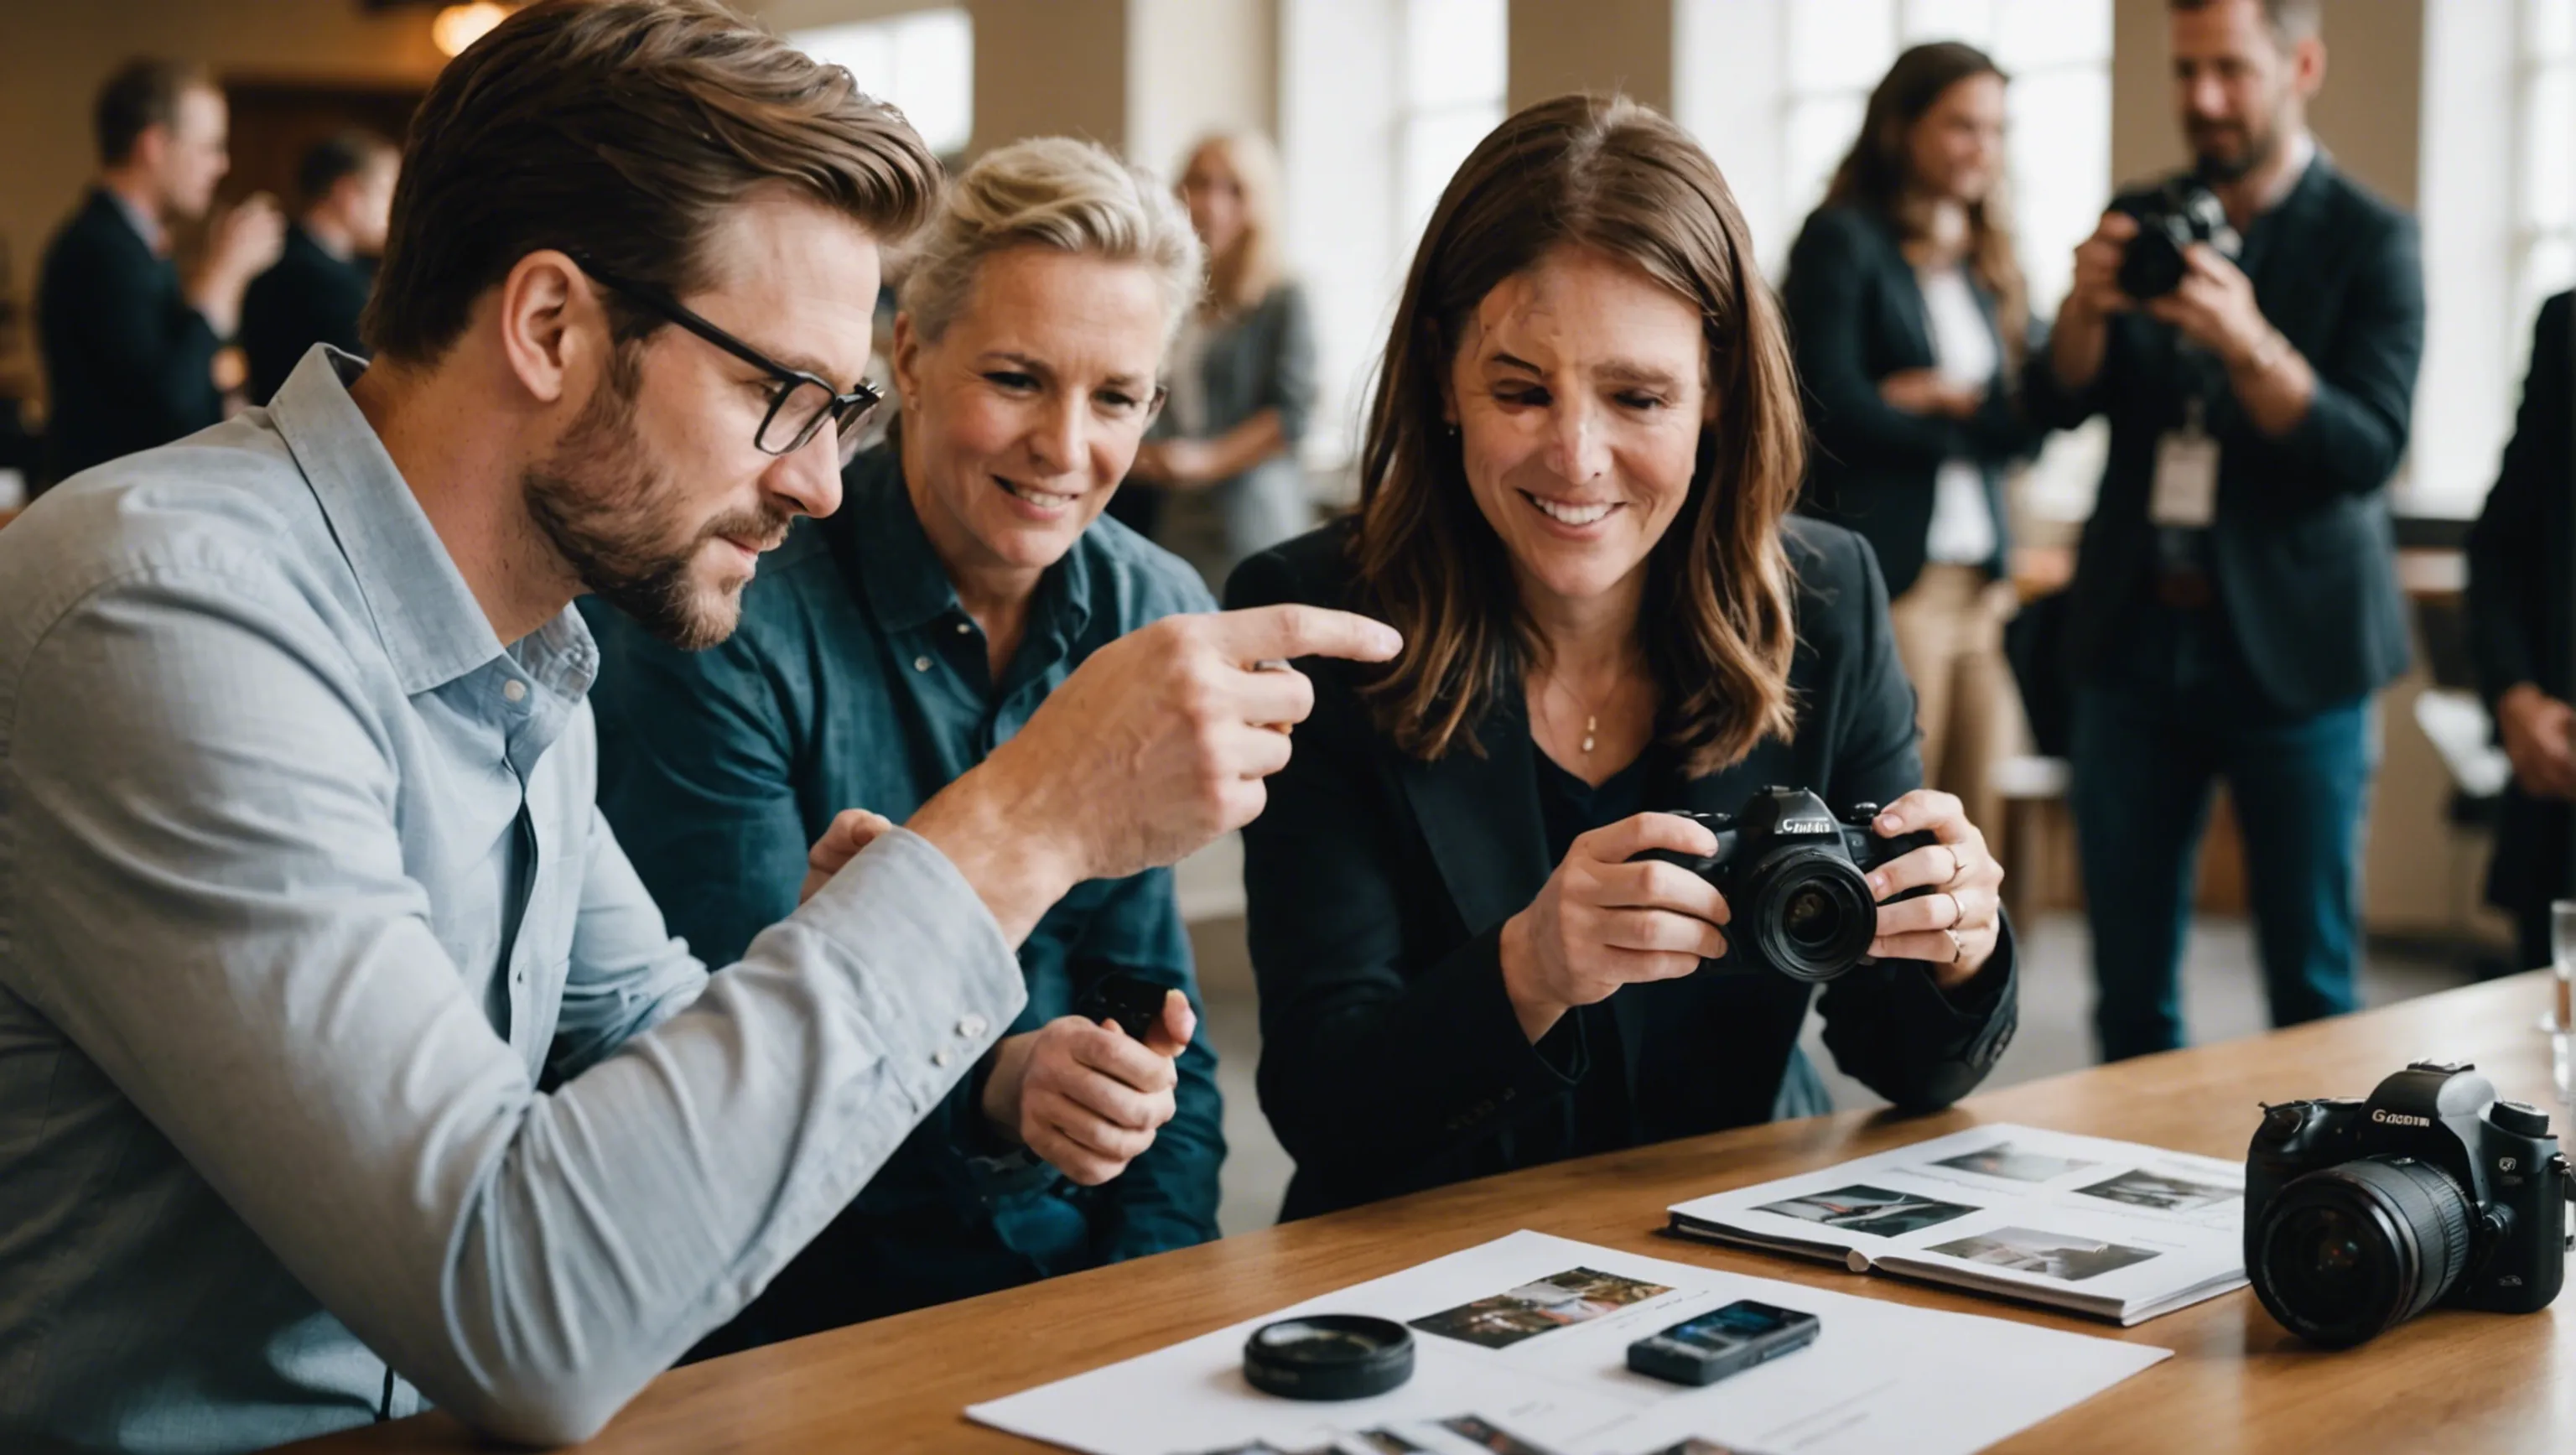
[
  {"x": 319, "y": 286},
  {"x": 129, "y": 348},
  {"x": 883, "y": 652},
  {"x": 2235, "y": 600},
  {"x": 1909, "y": 318},
  {"x": 1582, "y": 452},
  {"x": 2522, "y": 634}
]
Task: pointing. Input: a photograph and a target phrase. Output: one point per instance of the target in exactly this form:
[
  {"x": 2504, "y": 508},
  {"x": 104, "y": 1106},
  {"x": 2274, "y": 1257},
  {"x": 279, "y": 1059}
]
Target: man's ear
[
  {"x": 554, "y": 332},
  {"x": 2308, "y": 67},
  {"x": 150, "y": 151}
]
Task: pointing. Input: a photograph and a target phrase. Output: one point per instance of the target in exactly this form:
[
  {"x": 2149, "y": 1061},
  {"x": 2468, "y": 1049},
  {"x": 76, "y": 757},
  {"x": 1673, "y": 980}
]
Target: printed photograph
[
  {"x": 1576, "y": 1296},
  {"x": 1872, "y": 1210},
  {"x": 1484, "y": 1434},
  {"x": 2005, "y": 1160},
  {"x": 2062, "y": 1256},
  {"x": 1697, "y": 1445},
  {"x": 1380, "y": 1441},
  {"x": 2160, "y": 1192}
]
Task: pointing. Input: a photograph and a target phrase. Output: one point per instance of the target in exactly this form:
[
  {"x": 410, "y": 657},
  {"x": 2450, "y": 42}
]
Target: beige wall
[
  {"x": 1050, "y": 66},
  {"x": 56, "y": 54},
  {"x": 1590, "y": 45},
  {"x": 1197, "y": 66},
  {"x": 2369, "y": 114}
]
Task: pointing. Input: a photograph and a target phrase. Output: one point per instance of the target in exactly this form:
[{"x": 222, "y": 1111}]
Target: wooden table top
[{"x": 2445, "y": 1381}]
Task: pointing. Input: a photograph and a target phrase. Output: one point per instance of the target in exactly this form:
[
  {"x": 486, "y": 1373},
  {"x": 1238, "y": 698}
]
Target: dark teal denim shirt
[{"x": 857, "y": 681}]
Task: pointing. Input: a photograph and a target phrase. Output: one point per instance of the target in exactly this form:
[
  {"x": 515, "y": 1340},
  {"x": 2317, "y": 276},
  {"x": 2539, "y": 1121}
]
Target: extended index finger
[{"x": 1271, "y": 633}]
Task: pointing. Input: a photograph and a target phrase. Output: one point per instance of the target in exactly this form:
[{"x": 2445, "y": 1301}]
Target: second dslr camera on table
[
  {"x": 2360, "y": 1215},
  {"x": 1794, "y": 875}
]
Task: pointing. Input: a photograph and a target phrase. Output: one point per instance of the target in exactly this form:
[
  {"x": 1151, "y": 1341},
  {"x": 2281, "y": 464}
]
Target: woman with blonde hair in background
[
  {"x": 1909, "y": 316},
  {"x": 1224, "y": 459}
]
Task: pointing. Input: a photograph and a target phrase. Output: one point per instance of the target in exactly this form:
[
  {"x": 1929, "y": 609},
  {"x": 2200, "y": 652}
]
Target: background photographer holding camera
[{"x": 2235, "y": 600}]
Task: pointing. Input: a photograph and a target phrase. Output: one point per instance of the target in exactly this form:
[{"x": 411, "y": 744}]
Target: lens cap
[{"x": 1329, "y": 1356}]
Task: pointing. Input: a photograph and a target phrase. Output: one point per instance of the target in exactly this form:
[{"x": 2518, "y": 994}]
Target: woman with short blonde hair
[{"x": 886, "y": 649}]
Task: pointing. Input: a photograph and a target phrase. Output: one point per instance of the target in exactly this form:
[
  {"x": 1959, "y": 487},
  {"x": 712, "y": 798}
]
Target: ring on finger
[
  {"x": 1958, "y": 865},
  {"x": 1958, "y": 912},
  {"x": 1958, "y": 947}
]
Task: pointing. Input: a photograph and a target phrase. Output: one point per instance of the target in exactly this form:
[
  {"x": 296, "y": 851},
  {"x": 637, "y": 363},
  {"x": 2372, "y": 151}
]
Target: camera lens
[
  {"x": 1808, "y": 917},
  {"x": 2346, "y": 1252},
  {"x": 1811, "y": 916}
]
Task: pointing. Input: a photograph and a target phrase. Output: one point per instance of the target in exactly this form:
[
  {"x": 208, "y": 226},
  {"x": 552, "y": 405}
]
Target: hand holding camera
[
  {"x": 1607, "y": 918},
  {"x": 1086, "y": 1097}
]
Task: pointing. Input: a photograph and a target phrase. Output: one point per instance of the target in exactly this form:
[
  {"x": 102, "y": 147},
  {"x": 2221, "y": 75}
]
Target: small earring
[{"x": 1450, "y": 429}]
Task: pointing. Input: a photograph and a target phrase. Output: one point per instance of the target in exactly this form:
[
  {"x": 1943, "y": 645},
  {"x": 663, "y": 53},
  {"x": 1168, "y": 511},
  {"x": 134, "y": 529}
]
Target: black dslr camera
[
  {"x": 1791, "y": 871},
  {"x": 2362, "y": 1214},
  {"x": 2180, "y": 213}
]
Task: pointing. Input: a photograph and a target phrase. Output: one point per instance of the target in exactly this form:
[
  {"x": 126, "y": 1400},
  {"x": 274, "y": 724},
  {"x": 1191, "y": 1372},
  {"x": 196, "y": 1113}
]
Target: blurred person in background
[
  {"x": 887, "y": 650},
  {"x": 1223, "y": 463},
  {"x": 2522, "y": 634},
  {"x": 129, "y": 347},
  {"x": 1906, "y": 308},
  {"x": 2235, "y": 600},
  {"x": 319, "y": 286}
]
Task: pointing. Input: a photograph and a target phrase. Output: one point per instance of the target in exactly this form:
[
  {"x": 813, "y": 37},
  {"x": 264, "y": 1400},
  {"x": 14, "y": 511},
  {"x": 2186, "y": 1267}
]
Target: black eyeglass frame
[{"x": 846, "y": 410}]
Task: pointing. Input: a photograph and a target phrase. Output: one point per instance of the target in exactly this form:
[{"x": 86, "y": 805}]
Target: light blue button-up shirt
[{"x": 345, "y": 1065}]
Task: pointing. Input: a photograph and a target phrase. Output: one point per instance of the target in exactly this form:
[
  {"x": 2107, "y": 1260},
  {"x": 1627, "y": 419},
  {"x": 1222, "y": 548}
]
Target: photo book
[{"x": 2108, "y": 1229}]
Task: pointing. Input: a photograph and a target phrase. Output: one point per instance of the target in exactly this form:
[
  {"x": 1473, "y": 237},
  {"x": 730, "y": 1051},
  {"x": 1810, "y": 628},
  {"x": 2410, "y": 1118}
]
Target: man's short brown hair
[
  {"x": 144, "y": 93},
  {"x": 621, "y": 132},
  {"x": 2290, "y": 21}
]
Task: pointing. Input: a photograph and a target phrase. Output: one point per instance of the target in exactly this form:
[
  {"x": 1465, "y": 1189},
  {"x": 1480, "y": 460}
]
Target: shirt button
[
  {"x": 942, "y": 1057},
  {"x": 971, "y": 1027},
  {"x": 921, "y": 664},
  {"x": 965, "y": 628},
  {"x": 515, "y": 690}
]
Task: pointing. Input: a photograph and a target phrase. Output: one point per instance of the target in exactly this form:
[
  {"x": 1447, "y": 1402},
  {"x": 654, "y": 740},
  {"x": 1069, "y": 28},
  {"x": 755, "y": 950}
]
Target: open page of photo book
[
  {"x": 2109, "y": 1229},
  {"x": 1520, "y": 1348}
]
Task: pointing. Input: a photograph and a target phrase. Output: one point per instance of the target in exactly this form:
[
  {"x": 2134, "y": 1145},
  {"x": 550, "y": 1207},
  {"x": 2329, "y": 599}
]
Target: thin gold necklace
[{"x": 1591, "y": 714}]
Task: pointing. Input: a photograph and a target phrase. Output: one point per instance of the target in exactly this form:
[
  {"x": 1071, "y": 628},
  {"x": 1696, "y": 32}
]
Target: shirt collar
[
  {"x": 2303, "y": 156},
  {"x": 433, "y": 629},
  {"x": 145, "y": 225},
  {"x": 899, "y": 572}
]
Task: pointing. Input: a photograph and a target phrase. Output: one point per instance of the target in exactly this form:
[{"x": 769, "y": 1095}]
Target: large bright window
[
  {"x": 1453, "y": 95},
  {"x": 2544, "y": 259},
  {"x": 923, "y": 62}
]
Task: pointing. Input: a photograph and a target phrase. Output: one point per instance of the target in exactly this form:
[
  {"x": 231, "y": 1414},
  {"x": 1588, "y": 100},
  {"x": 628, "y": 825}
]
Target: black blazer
[
  {"x": 2522, "y": 598},
  {"x": 1855, "y": 311},
  {"x": 2301, "y": 547},
  {"x": 1391, "y": 1059},
  {"x": 308, "y": 298},
  {"x": 129, "y": 363}
]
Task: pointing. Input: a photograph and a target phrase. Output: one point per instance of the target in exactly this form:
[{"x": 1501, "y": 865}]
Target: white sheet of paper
[
  {"x": 2186, "y": 489},
  {"x": 1881, "y": 1376}
]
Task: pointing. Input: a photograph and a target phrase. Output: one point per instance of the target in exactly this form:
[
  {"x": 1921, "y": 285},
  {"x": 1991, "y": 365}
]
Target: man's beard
[
  {"x": 605, "y": 507},
  {"x": 2262, "y": 144}
]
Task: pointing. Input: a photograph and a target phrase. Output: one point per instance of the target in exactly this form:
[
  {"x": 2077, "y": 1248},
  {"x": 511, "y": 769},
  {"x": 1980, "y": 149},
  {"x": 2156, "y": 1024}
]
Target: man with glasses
[{"x": 345, "y": 1066}]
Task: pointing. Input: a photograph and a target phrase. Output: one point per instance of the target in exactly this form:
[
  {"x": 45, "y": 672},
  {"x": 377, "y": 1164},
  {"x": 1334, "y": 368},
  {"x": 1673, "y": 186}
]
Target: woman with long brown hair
[
  {"x": 1575, "y": 492},
  {"x": 1909, "y": 317}
]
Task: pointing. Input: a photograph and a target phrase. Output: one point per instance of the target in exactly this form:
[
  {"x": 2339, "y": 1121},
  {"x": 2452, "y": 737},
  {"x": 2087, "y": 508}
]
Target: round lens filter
[{"x": 1328, "y": 1356}]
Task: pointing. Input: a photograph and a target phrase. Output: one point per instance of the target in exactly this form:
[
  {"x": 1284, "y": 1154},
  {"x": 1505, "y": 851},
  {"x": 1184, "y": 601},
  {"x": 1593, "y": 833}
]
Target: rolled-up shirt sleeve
[{"x": 228, "y": 929}]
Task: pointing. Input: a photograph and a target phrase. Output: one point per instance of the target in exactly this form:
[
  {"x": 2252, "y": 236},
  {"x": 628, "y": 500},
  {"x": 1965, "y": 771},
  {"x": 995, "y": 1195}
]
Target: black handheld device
[
  {"x": 1706, "y": 1348},
  {"x": 1129, "y": 1002}
]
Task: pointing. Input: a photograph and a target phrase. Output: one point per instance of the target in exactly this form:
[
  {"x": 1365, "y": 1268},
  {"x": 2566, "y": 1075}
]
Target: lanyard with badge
[{"x": 2185, "y": 495}]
